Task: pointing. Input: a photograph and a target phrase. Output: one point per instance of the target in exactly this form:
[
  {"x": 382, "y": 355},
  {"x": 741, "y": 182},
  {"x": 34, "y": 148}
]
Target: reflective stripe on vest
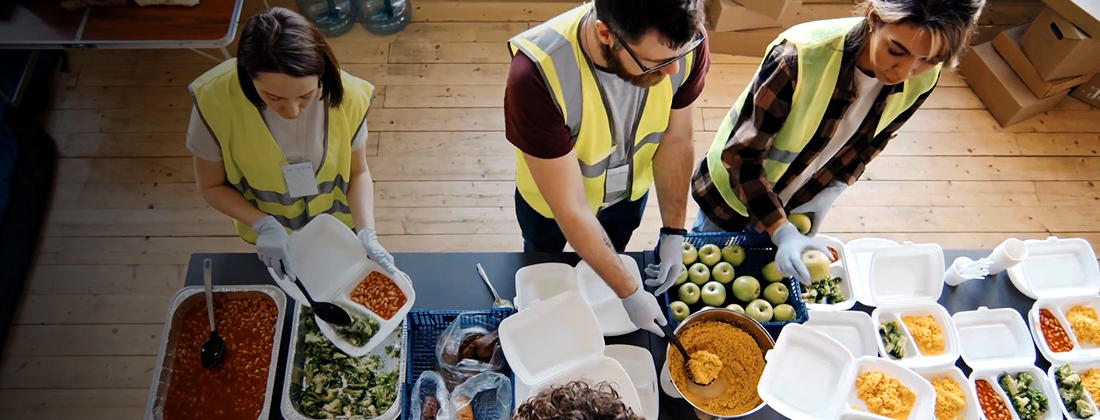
[
  {"x": 820, "y": 48},
  {"x": 253, "y": 160},
  {"x": 570, "y": 77}
]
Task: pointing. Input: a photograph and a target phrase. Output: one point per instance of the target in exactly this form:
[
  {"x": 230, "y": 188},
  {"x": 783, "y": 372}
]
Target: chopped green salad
[
  {"x": 1072, "y": 392},
  {"x": 336, "y": 385},
  {"x": 826, "y": 291},
  {"x": 1030, "y": 402}
]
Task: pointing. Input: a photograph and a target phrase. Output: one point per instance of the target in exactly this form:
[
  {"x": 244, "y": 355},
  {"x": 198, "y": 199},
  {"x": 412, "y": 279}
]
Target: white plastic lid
[
  {"x": 801, "y": 375},
  {"x": 325, "y": 255},
  {"x": 859, "y": 253},
  {"x": 544, "y": 340},
  {"x": 605, "y": 302},
  {"x": 994, "y": 339},
  {"x": 853, "y": 329},
  {"x": 1057, "y": 268},
  {"x": 907, "y": 274},
  {"x": 538, "y": 282}
]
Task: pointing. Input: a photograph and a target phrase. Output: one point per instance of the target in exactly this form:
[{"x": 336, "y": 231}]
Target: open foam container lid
[
  {"x": 852, "y": 329},
  {"x": 325, "y": 255},
  {"x": 542, "y": 340},
  {"x": 994, "y": 339},
  {"x": 804, "y": 359},
  {"x": 1056, "y": 268},
  {"x": 907, "y": 274}
]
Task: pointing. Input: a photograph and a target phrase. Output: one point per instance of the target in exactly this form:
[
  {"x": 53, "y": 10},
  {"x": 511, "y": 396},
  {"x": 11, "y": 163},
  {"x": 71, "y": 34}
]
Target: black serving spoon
[{"x": 213, "y": 350}]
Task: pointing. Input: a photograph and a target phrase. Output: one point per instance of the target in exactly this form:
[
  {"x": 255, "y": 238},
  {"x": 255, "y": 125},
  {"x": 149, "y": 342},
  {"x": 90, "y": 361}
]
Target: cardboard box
[
  {"x": 727, "y": 15},
  {"x": 753, "y": 42},
  {"x": 1089, "y": 92},
  {"x": 1007, "y": 44},
  {"x": 1000, "y": 89},
  {"x": 773, "y": 9},
  {"x": 1058, "y": 49},
  {"x": 1083, "y": 13}
]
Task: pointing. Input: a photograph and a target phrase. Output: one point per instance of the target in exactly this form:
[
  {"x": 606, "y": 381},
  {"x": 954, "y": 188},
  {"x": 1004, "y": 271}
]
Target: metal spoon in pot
[
  {"x": 328, "y": 312},
  {"x": 213, "y": 350},
  {"x": 671, "y": 335}
]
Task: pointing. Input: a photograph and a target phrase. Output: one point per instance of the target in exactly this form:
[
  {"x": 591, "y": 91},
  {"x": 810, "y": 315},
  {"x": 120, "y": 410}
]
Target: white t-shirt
[
  {"x": 301, "y": 139},
  {"x": 625, "y": 101},
  {"x": 867, "y": 90}
]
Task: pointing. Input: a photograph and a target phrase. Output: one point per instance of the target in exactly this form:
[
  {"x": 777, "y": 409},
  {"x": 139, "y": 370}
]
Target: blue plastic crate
[
  {"x": 424, "y": 328},
  {"x": 759, "y": 251}
]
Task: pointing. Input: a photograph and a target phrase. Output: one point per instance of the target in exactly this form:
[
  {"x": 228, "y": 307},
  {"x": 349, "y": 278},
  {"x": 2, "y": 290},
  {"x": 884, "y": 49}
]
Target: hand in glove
[
  {"x": 271, "y": 245},
  {"x": 817, "y": 207},
  {"x": 644, "y": 311},
  {"x": 378, "y": 254},
  {"x": 671, "y": 250},
  {"x": 790, "y": 246}
]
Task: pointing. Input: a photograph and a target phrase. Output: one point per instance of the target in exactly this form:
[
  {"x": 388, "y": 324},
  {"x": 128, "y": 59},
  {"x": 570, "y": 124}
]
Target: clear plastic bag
[
  {"x": 430, "y": 383},
  {"x": 485, "y": 396},
  {"x": 457, "y": 369}
]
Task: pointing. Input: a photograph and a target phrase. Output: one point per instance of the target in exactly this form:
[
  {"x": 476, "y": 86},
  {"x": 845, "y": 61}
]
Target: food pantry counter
[{"x": 449, "y": 281}]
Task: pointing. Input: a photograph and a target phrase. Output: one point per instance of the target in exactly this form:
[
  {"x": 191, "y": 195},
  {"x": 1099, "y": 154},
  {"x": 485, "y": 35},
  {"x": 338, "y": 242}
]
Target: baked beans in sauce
[
  {"x": 992, "y": 405},
  {"x": 235, "y": 388},
  {"x": 379, "y": 294},
  {"x": 1056, "y": 336}
]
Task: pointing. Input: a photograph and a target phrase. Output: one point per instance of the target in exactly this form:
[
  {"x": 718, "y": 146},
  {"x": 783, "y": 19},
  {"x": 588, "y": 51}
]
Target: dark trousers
[{"x": 542, "y": 234}]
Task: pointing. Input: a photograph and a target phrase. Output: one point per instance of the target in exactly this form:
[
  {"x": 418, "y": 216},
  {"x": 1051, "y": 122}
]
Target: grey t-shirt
[
  {"x": 301, "y": 139},
  {"x": 625, "y": 101}
]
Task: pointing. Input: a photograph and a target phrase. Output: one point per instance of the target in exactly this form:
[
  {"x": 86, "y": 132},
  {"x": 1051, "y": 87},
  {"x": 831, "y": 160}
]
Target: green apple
[
  {"x": 800, "y": 221},
  {"x": 689, "y": 293},
  {"x": 714, "y": 294},
  {"x": 705, "y": 308},
  {"x": 679, "y": 310},
  {"x": 690, "y": 254},
  {"x": 722, "y": 272},
  {"x": 771, "y": 272},
  {"x": 682, "y": 277},
  {"x": 746, "y": 288},
  {"x": 699, "y": 274},
  {"x": 733, "y": 254},
  {"x": 776, "y": 293},
  {"x": 710, "y": 254},
  {"x": 760, "y": 310},
  {"x": 784, "y": 312},
  {"x": 818, "y": 264},
  {"x": 736, "y": 308}
]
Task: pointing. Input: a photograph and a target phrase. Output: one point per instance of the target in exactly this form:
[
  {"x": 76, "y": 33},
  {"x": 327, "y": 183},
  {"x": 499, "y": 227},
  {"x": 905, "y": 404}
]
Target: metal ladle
[
  {"x": 213, "y": 350},
  {"x": 671, "y": 335},
  {"x": 328, "y": 312}
]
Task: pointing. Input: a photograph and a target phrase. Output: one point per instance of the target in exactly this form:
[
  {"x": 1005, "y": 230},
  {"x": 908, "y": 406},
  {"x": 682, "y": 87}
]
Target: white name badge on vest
[
  {"x": 300, "y": 180},
  {"x": 617, "y": 179}
]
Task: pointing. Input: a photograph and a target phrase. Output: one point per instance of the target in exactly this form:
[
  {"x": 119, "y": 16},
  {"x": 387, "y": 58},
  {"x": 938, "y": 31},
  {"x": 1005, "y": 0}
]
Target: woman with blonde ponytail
[{"x": 826, "y": 100}]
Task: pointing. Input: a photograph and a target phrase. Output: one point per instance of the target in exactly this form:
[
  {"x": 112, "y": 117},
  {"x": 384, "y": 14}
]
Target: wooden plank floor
[{"x": 126, "y": 214}]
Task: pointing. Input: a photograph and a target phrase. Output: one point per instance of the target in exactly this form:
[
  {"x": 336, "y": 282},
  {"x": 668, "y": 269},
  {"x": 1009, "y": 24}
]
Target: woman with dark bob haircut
[{"x": 277, "y": 136}]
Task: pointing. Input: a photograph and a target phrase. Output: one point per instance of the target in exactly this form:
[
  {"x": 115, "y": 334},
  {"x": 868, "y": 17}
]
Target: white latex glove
[
  {"x": 644, "y": 311},
  {"x": 671, "y": 250},
  {"x": 819, "y": 206},
  {"x": 271, "y": 245},
  {"x": 790, "y": 246},
  {"x": 378, "y": 254}
]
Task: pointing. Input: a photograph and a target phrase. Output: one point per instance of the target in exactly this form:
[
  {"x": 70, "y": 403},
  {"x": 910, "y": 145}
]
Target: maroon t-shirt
[{"x": 533, "y": 123}]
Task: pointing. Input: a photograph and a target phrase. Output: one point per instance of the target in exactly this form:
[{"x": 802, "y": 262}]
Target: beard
[{"x": 616, "y": 67}]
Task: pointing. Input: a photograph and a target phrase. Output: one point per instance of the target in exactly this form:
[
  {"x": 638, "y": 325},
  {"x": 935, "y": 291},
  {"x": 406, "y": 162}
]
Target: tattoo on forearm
[{"x": 607, "y": 242}]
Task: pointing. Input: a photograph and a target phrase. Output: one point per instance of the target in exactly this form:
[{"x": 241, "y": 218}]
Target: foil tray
[
  {"x": 295, "y": 374},
  {"x": 185, "y": 299}
]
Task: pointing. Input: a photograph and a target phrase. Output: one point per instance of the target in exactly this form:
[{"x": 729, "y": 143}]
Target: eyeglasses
[{"x": 691, "y": 46}]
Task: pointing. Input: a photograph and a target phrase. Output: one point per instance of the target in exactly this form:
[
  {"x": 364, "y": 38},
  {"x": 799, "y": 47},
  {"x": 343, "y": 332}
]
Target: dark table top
[{"x": 449, "y": 281}]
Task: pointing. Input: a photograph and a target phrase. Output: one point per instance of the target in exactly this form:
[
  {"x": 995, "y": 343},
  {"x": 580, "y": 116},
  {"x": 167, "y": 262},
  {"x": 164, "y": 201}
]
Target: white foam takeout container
[
  {"x": 852, "y": 329},
  {"x": 540, "y": 282},
  {"x": 996, "y": 341},
  {"x": 1080, "y": 369},
  {"x": 973, "y": 409},
  {"x": 558, "y": 341},
  {"x": 331, "y": 261},
  {"x": 1056, "y": 268},
  {"x": 1059, "y": 307},
  {"x": 810, "y": 376},
  {"x": 907, "y": 280},
  {"x": 859, "y": 253},
  {"x": 638, "y": 363},
  {"x": 839, "y": 268}
]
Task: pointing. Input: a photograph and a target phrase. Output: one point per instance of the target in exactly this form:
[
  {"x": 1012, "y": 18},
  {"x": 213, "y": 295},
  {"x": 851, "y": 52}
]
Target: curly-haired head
[{"x": 576, "y": 401}]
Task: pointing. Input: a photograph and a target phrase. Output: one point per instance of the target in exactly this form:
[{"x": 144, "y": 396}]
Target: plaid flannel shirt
[{"x": 760, "y": 119}]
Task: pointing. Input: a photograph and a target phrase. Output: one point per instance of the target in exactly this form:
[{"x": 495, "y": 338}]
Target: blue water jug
[
  {"x": 384, "y": 17},
  {"x": 332, "y": 17}
]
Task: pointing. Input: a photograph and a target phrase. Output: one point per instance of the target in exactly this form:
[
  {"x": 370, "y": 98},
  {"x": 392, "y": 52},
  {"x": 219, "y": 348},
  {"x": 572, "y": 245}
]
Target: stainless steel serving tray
[
  {"x": 295, "y": 362},
  {"x": 185, "y": 299}
]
